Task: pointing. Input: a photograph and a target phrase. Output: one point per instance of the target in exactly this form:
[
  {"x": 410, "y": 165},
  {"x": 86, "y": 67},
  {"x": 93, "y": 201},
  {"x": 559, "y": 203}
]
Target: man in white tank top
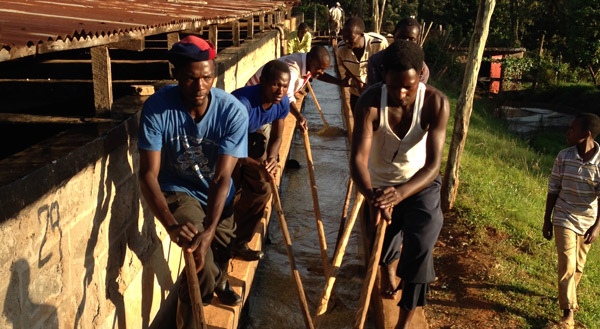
[{"x": 397, "y": 146}]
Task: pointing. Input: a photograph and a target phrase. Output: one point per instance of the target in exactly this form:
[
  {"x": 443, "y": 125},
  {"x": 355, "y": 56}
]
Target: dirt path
[{"x": 457, "y": 299}]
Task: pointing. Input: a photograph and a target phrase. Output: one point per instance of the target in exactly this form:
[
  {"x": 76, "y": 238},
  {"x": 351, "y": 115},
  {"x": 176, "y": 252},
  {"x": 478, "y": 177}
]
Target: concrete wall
[{"x": 88, "y": 253}]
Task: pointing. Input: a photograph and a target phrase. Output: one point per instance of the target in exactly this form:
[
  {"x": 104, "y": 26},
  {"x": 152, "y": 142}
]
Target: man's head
[
  {"x": 352, "y": 32},
  {"x": 317, "y": 61},
  {"x": 194, "y": 69},
  {"x": 584, "y": 126},
  {"x": 274, "y": 82},
  {"x": 407, "y": 29},
  {"x": 302, "y": 30},
  {"x": 337, "y": 4},
  {"x": 402, "y": 62}
]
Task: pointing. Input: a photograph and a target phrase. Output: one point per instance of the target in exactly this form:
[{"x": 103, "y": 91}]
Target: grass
[{"x": 503, "y": 185}]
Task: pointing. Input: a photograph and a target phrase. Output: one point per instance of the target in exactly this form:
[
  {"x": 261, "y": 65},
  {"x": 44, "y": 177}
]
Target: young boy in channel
[
  {"x": 266, "y": 103},
  {"x": 572, "y": 208}
]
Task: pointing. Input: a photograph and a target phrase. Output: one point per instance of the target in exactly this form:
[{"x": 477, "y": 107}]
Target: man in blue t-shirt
[
  {"x": 267, "y": 103},
  {"x": 190, "y": 138}
]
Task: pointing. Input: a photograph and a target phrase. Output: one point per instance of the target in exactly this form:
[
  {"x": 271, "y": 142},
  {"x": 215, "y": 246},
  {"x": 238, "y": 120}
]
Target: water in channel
[{"x": 273, "y": 301}]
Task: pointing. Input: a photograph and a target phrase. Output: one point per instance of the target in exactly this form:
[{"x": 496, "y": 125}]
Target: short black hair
[
  {"x": 402, "y": 56},
  {"x": 589, "y": 121},
  {"x": 302, "y": 26},
  {"x": 319, "y": 53},
  {"x": 407, "y": 22},
  {"x": 355, "y": 23},
  {"x": 270, "y": 70}
]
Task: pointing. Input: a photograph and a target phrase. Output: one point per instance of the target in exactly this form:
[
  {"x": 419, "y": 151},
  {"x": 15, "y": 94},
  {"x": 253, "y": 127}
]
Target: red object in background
[{"x": 495, "y": 74}]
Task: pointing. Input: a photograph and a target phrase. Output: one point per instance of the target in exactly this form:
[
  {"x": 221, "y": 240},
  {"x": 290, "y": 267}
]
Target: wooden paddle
[
  {"x": 315, "y": 197},
  {"x": 194, "y": 289},
  {"x": 290, "y": 252},
  {"x": 365, "y": 294},
  {"x": 316, "y": 103},
  {"x": 337, "y": 260}
]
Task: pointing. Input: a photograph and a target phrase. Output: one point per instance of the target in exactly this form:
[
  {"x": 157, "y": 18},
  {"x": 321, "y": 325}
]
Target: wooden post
[
  {"x": 250, "y": 27},
  {"x": 464, "y": 105},
  {"x": 277, "y": 17},
  {"x": 213, "y": 35},
  {"x": 102, "y": 79},
  {"x": 172, "y": 38},
  {"x": 269, "y": 19},
  {"x": 235, "y": 31},
  {"x": 261, "y": 23}
]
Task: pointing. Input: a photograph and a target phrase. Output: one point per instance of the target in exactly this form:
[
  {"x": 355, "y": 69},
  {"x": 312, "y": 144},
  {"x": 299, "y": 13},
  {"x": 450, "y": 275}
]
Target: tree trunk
[
  {"x": 381, "y": 17},
  {"x": 593, "y": 74},
  {"x": 375, "y": 18},
  {"x": 464, "y": 104}
]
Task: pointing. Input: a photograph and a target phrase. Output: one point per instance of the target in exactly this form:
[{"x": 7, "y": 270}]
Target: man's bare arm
[
  {"x": 362, "y": 138},
  {"x": 274, "y": 144},
  {"x": 149, "y": 168}
]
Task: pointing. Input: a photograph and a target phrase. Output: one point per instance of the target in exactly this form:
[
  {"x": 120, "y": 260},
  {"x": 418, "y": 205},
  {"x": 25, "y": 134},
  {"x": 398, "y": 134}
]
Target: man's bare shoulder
[
  {"x": 370, "y": 98},
  {"x": 435, "y": 98},
  {"x": 436, "y": 108}
]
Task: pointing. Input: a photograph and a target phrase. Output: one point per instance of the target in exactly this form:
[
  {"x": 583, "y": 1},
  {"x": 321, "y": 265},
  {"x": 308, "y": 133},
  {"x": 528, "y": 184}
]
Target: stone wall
[{"x": 88, "y": 253}]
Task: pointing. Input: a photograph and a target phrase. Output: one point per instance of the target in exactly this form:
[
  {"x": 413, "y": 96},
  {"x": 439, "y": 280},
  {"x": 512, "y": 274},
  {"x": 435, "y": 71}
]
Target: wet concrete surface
[{"x": 273, "y": 301}]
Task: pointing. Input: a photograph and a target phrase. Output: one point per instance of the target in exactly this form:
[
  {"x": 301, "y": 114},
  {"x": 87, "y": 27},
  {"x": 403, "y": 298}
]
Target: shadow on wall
[
  {"x": 19, "y": 309},
  {"x": 123, "y": 233}
]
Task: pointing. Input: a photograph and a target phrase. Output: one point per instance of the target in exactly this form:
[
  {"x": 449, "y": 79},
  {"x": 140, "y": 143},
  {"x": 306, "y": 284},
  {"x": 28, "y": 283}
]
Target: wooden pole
[
  {"x": 344, "y": 212},
  {"x": 337, "y": 260},
  {"x": 312, "y": 92},
  {"x": 261, "y": 23},
  {"x": 365, "y": 294},
  {"x": 172, "y": 38},
  {"x": 315, "y": 197},
  {"x": 194, "y": 289},
  {"x": 235, "y": 31},
  {"x": 213, "y": 35},
  {"x": 250, "y": 27},
  {"x": 290, "y": 252},
  {"x": 464, "y": 105}
]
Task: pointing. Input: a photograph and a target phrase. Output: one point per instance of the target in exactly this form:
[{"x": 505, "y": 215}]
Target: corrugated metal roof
[{"x": 29, "y": 27}]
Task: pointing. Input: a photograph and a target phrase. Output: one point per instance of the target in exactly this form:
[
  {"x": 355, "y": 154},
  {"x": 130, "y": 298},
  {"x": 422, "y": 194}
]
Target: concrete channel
[{"x": 273, "y": 301}]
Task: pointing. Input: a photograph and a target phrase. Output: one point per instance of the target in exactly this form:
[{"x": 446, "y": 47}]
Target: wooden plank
[
  {"x": 213, "y": 35},
  {"x": 102, "y": 79},
  {"x": 43, "y": 119},
  {"x": 137, "y": 44},
  {"x": 250, "y": 27},
  {"x": 235, "y": 30},
  {"x": 464, "y": 105}
]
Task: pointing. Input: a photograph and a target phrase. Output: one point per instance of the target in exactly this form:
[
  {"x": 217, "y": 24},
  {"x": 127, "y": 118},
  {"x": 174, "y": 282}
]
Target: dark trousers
[
  {"x": 416, "y": 225},
  {"x": 186, "y": 208},
  {"x": 253, "y": 190}
]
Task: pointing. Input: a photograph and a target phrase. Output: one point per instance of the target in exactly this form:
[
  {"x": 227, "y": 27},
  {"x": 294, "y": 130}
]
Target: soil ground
[{"x": 457, "y": 299}]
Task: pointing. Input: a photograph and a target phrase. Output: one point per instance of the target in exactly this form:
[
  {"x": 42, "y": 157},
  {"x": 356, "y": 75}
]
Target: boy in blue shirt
[
  {"x": 191, "y": 136},
  {"x": 266, "y": 103},
  {"x": 572, "y": 208}
]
